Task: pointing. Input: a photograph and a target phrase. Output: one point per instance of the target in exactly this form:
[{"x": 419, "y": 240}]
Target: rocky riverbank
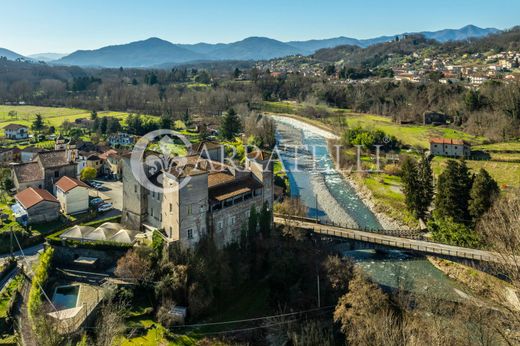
[{"x": 327, "y": 201}]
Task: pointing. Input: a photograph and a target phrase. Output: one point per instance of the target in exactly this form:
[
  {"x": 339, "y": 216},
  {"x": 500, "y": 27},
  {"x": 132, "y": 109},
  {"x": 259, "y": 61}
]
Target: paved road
[
  {"x": 392, "y": 241},
  {"x": 112, "y": 191}
]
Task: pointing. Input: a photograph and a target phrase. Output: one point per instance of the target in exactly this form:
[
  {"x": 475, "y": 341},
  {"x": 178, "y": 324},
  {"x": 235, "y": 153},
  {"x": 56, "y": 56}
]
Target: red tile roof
[
  {"x": 447, "y": 141},
  {"x": 66, "y": 184},
  {"x": 31, "y": 196}
]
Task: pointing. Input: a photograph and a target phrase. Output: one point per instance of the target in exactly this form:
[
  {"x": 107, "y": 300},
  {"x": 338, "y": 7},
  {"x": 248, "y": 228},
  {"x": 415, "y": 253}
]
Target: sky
[{"x": 63, "y": 26}]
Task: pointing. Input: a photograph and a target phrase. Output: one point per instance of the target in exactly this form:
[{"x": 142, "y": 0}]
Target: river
[{"x": 328, "y": 196}]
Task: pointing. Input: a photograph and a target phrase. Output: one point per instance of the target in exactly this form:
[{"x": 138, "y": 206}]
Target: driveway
[{"x": 111, "y": 191}]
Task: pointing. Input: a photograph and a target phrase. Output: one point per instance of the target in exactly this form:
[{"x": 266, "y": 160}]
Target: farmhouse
[
  {"x": 72, "y": 195},
  {"x": 16, "y": 131},
  {"x": 35, "y": 206},
  {"x": 449, "y": 147}
]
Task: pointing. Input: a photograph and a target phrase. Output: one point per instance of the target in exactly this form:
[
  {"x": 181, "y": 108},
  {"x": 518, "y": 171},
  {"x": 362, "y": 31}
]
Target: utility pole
[{"x": 318, "y": 283}]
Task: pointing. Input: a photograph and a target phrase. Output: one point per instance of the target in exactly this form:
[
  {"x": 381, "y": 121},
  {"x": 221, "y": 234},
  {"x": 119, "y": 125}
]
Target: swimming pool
[{"x": 65, "y": 297}]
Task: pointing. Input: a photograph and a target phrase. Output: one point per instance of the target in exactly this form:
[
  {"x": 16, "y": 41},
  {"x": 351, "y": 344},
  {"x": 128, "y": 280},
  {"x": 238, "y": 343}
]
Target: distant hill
[
  {"x": 254, "y": 48},
  {"x": 9, "y": 54},
  {"x": 150, "y": 52},
  {"x": 156, "y": 52},
  {"x": 46, "y": 56},
  {"x": 469, "y": 31}
]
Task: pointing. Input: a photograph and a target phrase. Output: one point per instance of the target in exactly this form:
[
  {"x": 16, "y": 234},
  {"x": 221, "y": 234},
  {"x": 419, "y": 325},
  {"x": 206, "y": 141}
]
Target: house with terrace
[{"x": 199, "y": 196}]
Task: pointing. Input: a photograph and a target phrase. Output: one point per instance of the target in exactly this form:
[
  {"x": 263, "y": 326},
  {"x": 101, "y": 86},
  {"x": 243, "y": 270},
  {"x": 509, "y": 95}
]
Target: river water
[{"x": 328, "y": 196}]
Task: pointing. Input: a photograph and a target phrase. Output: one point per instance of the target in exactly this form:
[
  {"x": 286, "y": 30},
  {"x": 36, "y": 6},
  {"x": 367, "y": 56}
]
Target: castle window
[
  {"x": 189, "y": 209},
  {"x": 220, "y": 225},
  {"x": 190, "y": 234},
  {"x": 171, "y": 207},
  {"x": 56, "y": 174}
]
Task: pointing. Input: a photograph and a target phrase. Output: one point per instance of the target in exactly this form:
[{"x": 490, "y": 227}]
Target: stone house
[
  {"x": 29, "y": 153},
  {"x": 200, "y": 196},
  {"x": 36, "y": 206},
  {"x": 47, "y": 168},
  {"x": 450, "y": 147},
  {"x": 9, "y": 155},
  {"x": 72, "y": 195},
  {"x": 16, "y": 131}
]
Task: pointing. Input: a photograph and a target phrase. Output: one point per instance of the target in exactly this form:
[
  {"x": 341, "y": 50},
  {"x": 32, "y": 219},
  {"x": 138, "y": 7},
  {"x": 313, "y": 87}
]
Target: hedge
[{"x": 39, "y": 280}]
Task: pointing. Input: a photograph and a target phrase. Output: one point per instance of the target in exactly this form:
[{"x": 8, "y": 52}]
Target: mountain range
[{"x": 155, "y": 51}]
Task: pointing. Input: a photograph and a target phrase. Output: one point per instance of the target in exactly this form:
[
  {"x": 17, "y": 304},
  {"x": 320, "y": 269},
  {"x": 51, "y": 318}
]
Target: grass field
[
  {"x": 413, "y": 135},
  {"x": 507, "y": 174},
  {"x": 53, "y": 116},
  {"x": 512, "y": 146},
  {"x": 386, "y": 190}
]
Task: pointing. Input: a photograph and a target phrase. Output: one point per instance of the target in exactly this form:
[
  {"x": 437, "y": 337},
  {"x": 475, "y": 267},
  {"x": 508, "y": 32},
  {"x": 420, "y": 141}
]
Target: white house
[
  {"x": 450, "y": 147},
  {"x": 16, "y": 131},
  {"x": 72, "y": 195},
  {"x": 121, "y": 139}
]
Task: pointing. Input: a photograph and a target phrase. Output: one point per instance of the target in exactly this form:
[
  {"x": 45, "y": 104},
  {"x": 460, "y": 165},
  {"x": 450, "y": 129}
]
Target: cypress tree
[
  {"x": 426, "y": 186},
  {"x": 483, "y": 192},
  {"x": 411, "y": 184},
  {"x": 231, "y": 125}
]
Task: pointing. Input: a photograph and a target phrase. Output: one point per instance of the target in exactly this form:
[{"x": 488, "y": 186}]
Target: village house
[
  {"x": 28, "y": 154},
  {"x": 9, "y": 155},
  {"x": 94, "y": 161},
  {"x": 35, "y": 206},
  {"x": 120, "y": 139},
  {"x": 47, "y": 168},
  {"x": 449, "y": 147},
  {"x": 112, "y": 164},
  {"x": 72, "y": 195},
  {"x": 16, "y": 131},
  {"x": 201, "y": 196}
]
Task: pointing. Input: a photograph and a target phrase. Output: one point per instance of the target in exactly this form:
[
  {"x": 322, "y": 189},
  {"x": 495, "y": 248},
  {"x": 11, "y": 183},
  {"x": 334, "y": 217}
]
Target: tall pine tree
[
  {"x": 411, "y": 184},
  {"x": 426, "y": 186}
]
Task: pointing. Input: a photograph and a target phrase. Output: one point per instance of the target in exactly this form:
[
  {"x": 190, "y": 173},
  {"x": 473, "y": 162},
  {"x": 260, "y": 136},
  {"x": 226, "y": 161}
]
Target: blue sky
[{"x": 35, "y": 26}]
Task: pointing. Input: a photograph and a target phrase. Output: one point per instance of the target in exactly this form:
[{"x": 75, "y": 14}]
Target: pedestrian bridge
[{"x": 403, "y": 240}]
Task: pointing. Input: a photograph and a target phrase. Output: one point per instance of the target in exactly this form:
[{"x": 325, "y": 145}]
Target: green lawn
[
  {"x": 513, "y": 146},
  {"x": 7, "y": 293}
]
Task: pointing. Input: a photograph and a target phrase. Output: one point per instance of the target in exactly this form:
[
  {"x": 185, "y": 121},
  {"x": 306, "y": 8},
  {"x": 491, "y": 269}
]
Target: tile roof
[
  {"x": 27, "y": 172},
  {"x": 31, "y": 196},
  {"x": 218, "y": 178},
  {"x": 66, "y": 184},
  {"x": 209, "y": 146},
  {"x": 15, "y": 127},
  {"x": 447, "y": 141},
  {"x": 55, "y": 158},
  {"x": 234, "y": 188}
]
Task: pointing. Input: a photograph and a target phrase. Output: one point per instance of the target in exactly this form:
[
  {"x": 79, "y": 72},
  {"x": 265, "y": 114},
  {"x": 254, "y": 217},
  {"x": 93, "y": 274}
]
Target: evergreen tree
[
  {"x": 264, "y": 220},
  {"x": 411, "y": 184},
  {"x": 38, "y": 124},
  {"x": 425, "y": 186},
  {"x": 93, "y": 115},
  {"x": 483, "y": 192},
  {"x": 231, "y": 125},
  {"x": 166, "y": 122},
  {"x": 252, "y": 225},
  {"x": 103, "y": 125},
  {"x": 113, "y": 125},
  {"x": 453, "y": 192}
]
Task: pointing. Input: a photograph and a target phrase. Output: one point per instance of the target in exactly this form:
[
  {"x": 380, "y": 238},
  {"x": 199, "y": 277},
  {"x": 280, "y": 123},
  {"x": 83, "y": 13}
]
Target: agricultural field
[{"x": 506, "y": 146}]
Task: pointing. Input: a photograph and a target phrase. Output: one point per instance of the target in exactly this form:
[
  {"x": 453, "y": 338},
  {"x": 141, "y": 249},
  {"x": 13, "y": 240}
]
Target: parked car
[
  {"x": 96, "y": 201},
  {"x": 104, "y": 207}
]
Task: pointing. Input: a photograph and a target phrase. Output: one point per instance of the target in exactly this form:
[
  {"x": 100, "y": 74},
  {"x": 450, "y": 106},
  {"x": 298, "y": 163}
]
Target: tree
[
  {"x": 425, "y": 186},
  {"x": 135, "y": 265},
  {"x": 237, "y": 73},
  {"x": 453, "y": 192},
  {"x": 88, "y": 173},
  {"x": 103, "y": 125},
  {"x": 93, "y": 115},
  {"x": 411, "y": 185},
  {"x": 252, "y": 225},
  {"x": 230, "y": 125},
  {"x": 12, "y": 114},
  {"x": 166, "y": 122},
  {"x": 483, "y": 192},
  {"x": 38, "y": 124},
  {"x": 265, "y": 220},
  {"x": 113, "y": 125}
]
